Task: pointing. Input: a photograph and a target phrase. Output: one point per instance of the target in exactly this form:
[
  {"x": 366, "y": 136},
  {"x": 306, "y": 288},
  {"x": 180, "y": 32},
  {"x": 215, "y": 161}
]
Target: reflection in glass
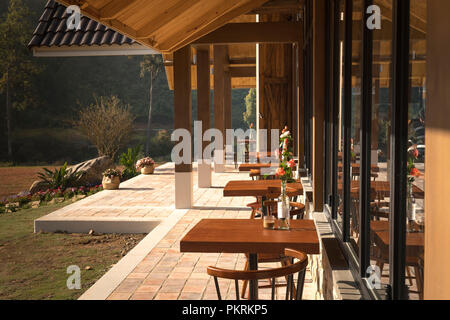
[
  {"x": 416, "y": 149},
  {"x": 341, "y": 32},
  {"x": 380, "y": 144},
  {"x": 355, "y": 143}
]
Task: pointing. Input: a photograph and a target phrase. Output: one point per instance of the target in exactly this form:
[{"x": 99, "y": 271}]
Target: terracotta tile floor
[{"x": 165, "y": 273}]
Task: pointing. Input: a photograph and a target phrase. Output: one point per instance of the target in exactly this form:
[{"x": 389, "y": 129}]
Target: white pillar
[
  {"x": 204, "y": 175},
  {"x": 184, "y": 191}
]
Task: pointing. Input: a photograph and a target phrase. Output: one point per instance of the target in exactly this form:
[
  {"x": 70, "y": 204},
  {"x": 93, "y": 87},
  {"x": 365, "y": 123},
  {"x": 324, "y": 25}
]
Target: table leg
[
  {"x": 253, "y": 265},
  {"x": 263, "y": 207}
]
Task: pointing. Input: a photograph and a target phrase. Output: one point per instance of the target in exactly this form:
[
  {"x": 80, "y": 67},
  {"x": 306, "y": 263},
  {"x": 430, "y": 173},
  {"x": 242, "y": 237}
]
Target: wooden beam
[
  {"x": 115, "y": 8},
  {"x": 169, "y": 15},
  {"x": 214, "y": 22},
  {"x": 182, "y": 96},
  {"x": 279, "y": 6},
  {"x": 233, "y": 62},
  {"x": 262, "y": 32},
  {"x": 319, "y": 92},
  {"x": 242, "y": 72}
]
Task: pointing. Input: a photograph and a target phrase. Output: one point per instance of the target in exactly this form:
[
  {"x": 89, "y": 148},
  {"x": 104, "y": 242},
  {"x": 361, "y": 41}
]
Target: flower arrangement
[
  {"x": 413, "y": 172},
  {"x": 287, "y": 164},
  {"x": 144, "y": 162},
  {"x": 111, "y": 173},
  {"x": 26, "y": 200}
]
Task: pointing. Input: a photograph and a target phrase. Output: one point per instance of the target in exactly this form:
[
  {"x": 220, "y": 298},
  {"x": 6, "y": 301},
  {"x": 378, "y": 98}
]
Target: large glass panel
[
  {"x": 355, "y": 143},
  {"x": 340, "y": 106},
  {"x": 380, "y": 146},
  {"x": 416, "y": 150}
]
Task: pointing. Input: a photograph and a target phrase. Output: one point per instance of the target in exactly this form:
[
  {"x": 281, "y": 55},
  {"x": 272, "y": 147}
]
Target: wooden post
[
  {"x": 319, "y": 41},
  {"x": 203, "y": 112},
  {"x": 437, "y": 133},
  {"x": 228, "y": 111},
  {"x": 301, "y": 101},
  {"x": 183, "y": 120},
  {"x": 220, "y": 56}
]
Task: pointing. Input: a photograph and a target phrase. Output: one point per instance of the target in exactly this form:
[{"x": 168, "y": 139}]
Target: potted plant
[
  {"x": 111, "y": 179},
  {"x": 146, "y": 165}
]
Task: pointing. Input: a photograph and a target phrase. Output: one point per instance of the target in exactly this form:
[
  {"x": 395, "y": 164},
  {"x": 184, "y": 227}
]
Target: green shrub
[
  {"x": 128, "y": 160},
  {"x": 60, "y": 178}
]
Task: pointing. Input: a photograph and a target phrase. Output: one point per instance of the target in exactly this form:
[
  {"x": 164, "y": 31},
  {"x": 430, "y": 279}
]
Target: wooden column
[
  {"x": 220, "y": 57},
  {"x": 319, "y": 41},
  {"x": 301, "y": 101},
  {"x": 437, "y": 133},
  {"x": 203, "y": 112},
  {"x": 228, "y": 112},
  {"x": 183, "y": 120}
]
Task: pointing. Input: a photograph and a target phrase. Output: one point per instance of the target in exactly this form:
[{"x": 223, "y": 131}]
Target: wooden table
[
  {"x": 258, "y": 188},
  {"x": 357, "y": 166},
  {"x": 382, "y": 188},
  {"x": 249, "y": 236},
  {"x": 246, "y": 167},
  {"x": 415, "y": 242}
]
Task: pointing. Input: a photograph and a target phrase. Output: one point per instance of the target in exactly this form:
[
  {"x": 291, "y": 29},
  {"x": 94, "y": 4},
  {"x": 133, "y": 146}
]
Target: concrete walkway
[{"x": 155, "y": 268}]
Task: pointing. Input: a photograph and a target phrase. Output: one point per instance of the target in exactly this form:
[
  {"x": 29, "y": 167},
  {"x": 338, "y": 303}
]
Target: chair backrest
[{"x": 287, "y": 272}]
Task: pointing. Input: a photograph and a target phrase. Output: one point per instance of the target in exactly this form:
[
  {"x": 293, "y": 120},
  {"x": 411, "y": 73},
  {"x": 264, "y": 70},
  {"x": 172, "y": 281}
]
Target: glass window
[
  {"x": 355, "y": 143},
  {"x": 340, "y": 117},
  {"x": 380, "y": 145},
  {"x": 416, "y": 150}
]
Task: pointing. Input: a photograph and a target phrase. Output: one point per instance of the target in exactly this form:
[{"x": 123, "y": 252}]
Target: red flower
[
  {"x": 285, "y": 129},
  {"x": 415, "y": 172},
  {"x": 291, "y": 163},
  {"x": 285, "y": 143},
  {"x": 280, "y": 172}
]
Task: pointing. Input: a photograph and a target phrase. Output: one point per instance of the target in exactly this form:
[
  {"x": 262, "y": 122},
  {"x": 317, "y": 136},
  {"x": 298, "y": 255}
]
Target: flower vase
[
  {"x": 148, "y": 169},
  {"x": 410, "y": 207},
  {"x": 283, "y": 208},
  {"x": 111, "y": 183}
]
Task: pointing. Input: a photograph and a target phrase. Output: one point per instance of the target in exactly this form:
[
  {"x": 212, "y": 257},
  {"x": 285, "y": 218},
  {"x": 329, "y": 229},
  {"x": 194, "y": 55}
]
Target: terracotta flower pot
[
  {"x": 148, "y": 169},
  {"x": 111, "y": 183}
]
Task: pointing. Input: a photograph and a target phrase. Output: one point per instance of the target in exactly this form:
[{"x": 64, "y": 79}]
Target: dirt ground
[{"x": 17, "y": 179}]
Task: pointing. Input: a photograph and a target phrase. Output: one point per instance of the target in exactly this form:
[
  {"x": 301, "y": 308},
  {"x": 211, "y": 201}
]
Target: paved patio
[{"x": 155, "y": 269}]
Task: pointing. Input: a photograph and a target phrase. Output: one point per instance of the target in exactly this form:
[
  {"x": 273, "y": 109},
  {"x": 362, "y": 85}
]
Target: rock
[
  {"x": 35, "y": 204},
  {"x": 93, "y": 169},
  {"x": 88, "y": 268},
  {"x": 38, "y": 186},
  {"x": 91, "y": 232}
]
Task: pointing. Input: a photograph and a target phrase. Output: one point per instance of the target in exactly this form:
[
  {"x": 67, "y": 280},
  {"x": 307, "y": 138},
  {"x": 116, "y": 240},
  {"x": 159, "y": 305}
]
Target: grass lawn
[{"x": 33, "y": 266}]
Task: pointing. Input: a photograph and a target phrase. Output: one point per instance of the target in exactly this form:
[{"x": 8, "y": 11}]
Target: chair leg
[
  {"x": 419, "y": 282},
  {"x": 245, "y": 283},
  {"x": 409, "y": 275}
]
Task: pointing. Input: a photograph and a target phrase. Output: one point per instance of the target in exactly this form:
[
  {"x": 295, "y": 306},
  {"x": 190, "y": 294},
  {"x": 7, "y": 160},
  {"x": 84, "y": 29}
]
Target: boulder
[
  {"x": 93, "y": 169},
  {"x": 38, "y": 186}
]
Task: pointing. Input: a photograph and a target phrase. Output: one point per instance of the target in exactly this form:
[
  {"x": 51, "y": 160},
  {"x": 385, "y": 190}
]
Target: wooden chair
[
  {"x": 297, "y": 210},
  {"x": 287, "y": 271}
]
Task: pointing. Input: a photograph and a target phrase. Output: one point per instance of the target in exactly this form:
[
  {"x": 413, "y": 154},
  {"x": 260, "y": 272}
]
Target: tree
[
  {"x": 16, "y": 65},
  {"x": 250, "y": 106},
  {"x": 107, "y": 124},
  {"x": 151, "y": 64}
]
